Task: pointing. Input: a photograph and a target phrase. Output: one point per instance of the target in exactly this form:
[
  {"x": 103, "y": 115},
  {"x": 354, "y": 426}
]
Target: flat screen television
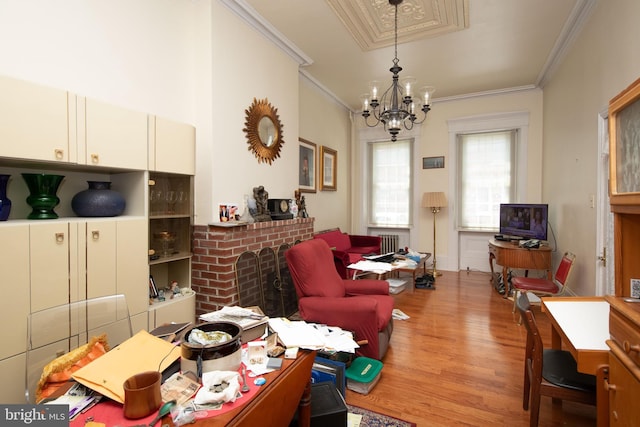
[{"x": 525, "y": 220}]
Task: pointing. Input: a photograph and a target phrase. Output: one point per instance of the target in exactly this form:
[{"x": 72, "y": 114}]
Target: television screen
[{"x": 525, "y": 220}]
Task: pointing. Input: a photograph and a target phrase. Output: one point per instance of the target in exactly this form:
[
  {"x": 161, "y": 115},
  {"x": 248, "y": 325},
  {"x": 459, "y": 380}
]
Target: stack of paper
[
  {"x": 245, "y": 317},
  {"x": 312, "y": 336},
  {"x": 372, "y": 266}
]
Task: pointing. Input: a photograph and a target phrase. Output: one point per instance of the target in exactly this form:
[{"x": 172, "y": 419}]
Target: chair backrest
[
  {"x": 55, "y": 331},
  {"x": 564, "y": 270},
  {"x": 313, "y": 270},
  {"x": 534, "y": 348}
]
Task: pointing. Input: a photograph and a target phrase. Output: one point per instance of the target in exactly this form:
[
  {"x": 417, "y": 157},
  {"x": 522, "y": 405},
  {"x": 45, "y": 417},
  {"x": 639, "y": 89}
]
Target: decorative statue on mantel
[
  {"x": 261, "y": 196},
  {"x": 302, "y": 209},
  {"x": 302, "y": 212}
]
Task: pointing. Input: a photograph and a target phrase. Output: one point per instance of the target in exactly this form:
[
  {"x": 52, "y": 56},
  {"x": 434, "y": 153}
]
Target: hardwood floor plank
[{"x": 458, "y": 360}]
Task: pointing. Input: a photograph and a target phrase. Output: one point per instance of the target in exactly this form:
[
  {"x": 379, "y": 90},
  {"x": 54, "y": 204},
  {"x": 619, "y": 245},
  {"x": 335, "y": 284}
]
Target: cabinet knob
[
  {"x": 628, "y": 348},
  {"x": 95, "y": 159},
  {"x": 58, "y": 154},
  {"x": 609, "y": 387},
  {"x": 59, "y": 237},
  {"x": 95, "y": 234}
]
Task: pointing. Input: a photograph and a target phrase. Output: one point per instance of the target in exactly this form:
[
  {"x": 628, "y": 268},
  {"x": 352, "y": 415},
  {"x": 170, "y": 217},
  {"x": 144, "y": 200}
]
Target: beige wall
[
  {"x": 141, "y": 55},
  {"x": 326, "y": 123},
  {"x": 244, "y": 66},
  {"x": 601, "y": 63}
]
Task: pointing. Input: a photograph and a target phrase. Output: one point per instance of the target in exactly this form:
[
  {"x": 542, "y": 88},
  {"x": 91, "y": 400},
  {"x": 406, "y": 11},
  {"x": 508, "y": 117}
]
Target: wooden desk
[
  {"x": 582, "y": 324},
  {"x": 510, "y": 255},
  {"x": 286, "y": 391}
]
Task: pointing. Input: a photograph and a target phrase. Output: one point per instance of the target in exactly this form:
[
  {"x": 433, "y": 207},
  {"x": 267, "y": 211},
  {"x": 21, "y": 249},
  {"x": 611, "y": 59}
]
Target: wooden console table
[
  {"x": 510, "y": 255},
  {"x": 286, "y": 390}
]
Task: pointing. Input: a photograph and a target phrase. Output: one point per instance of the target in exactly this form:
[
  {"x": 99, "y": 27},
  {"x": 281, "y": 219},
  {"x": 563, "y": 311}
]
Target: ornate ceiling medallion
[{"x": 264, "y": 130}]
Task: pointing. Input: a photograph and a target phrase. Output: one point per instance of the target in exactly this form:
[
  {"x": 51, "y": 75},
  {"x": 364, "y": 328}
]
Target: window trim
[{"x": 485, "y": 123}]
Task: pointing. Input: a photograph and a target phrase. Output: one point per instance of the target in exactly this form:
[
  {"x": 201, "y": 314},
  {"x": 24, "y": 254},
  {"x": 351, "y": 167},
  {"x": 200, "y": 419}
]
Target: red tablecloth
[{"x": 111, "y": 414}]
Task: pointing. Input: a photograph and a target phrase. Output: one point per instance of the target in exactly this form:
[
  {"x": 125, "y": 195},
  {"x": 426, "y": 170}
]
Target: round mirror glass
[{"x": 267, "y": 131}]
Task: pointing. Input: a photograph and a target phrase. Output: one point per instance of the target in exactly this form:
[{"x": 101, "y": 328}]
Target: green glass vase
[{"x": 42, "y": 198}]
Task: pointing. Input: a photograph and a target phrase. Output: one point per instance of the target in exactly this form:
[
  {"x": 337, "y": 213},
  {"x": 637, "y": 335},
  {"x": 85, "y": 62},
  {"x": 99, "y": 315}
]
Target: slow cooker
[{"x": 199, "y": 358}]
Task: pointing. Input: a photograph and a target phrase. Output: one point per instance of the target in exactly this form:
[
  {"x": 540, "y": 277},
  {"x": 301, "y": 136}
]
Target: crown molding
[
  {"x": 572, "y": 28},
  {"x": 249, "y": 15}
]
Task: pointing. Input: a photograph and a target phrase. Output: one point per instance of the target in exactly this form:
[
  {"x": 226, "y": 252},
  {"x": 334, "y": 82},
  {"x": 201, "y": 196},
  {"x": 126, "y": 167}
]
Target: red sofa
[
  {"x": 348, "y": 248},
  {"x": 363, "y": 306}
]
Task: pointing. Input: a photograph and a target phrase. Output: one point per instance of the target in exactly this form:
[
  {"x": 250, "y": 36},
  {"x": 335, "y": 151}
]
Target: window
[
  {"x": 487, "y": 168},
  {"x": 390, "y": 183}
]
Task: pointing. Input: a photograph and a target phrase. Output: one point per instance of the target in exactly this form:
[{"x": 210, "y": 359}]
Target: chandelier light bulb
[
  {"x": 365, "y": 102},
  {"x": 407, "y": 84},
  {"x": 373, "y": 87},
  {"x": 427, "y": 92}
]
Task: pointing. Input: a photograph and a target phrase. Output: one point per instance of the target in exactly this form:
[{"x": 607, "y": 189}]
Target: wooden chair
[
  {"x": 543, "y": 287},
  {"x": 549, "y": 372}
]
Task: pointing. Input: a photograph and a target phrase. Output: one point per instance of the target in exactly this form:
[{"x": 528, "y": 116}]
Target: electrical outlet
[{"x": 592, "y": 201}]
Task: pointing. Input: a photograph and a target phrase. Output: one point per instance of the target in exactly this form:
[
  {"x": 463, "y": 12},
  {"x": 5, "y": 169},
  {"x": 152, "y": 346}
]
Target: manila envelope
[{"x": 140, "y": 353}]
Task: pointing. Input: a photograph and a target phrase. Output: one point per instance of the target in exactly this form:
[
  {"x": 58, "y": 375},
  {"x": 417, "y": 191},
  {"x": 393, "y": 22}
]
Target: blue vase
[
  {"x": 42, "y": 198},
  {"x": 99, "y": 200},
  {"x": 5, "y": 203}
]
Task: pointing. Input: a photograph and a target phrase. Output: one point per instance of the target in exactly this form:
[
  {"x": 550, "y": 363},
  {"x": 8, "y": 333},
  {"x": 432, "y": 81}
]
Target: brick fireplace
[{"x": 216, "y": 248}]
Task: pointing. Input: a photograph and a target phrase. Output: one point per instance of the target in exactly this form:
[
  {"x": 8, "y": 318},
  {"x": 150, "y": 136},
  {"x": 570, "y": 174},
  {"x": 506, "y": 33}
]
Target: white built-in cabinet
[{"x": 46, "y": 263}]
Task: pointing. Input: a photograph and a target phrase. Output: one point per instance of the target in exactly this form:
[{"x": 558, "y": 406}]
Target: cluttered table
[{"x": 182, "y": 382}]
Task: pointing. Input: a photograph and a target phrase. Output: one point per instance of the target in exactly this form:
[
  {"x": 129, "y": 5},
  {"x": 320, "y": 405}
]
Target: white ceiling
[{"x": 474, "y": 46}]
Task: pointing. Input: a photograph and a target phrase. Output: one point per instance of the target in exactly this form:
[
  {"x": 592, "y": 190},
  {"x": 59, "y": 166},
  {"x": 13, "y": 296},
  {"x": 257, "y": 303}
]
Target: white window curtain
[
  {"x": 487, "y": 177},
  {"x": 390, "y": 183}
]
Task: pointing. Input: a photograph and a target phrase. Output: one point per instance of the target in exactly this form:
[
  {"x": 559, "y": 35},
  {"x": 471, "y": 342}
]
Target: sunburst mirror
[{"x": 264, "y": 130}]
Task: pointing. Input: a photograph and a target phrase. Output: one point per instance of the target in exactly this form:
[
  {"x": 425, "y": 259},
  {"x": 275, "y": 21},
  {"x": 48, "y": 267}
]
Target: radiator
[{"x": 389, "y": 243}]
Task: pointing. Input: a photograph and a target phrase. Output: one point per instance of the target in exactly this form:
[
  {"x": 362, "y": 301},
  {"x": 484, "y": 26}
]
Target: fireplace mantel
[{"x": 216, "y": 248}]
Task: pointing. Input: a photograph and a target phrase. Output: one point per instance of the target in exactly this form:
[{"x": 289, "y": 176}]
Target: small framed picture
[
  {"x": 433, "y": 162},
  {"x": 328, "y": 168},
  {"x": 228, "y": 212},
  {"x": 307, "y": 169}
]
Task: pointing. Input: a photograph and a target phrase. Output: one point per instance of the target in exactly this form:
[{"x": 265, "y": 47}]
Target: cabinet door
[
  {"x": 174, "y": 148},
  {"x": 12, "y": 371},
  {"x": 622, "y": 400},
  {"x": 101, "y": 258},
  {"x": 49, "y": 246},
  {"x": 182, "y": 309},
  {"x": 132, "y": 259},
  {"x": 114, "y": 136},
  {"x": 34, "y": 121},
  {"x": 14, "y": 308}
]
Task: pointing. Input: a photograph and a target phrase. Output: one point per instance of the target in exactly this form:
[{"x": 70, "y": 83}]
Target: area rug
[{"x": 375, "y": 419}]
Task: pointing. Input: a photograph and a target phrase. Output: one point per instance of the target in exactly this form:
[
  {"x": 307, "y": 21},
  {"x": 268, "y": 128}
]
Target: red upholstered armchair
[
  {"x": 361, "y": 306},
  {"x": 348, "y": 248}
]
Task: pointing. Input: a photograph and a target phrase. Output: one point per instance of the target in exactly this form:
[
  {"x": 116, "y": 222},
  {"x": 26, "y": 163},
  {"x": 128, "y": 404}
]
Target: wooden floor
[{"x": 458, "y": 361}]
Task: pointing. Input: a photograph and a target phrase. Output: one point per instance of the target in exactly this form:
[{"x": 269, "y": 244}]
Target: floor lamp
[{"x": 434, "y": 201}]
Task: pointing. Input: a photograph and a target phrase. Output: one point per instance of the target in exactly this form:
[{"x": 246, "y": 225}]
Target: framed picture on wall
[
  {"x": 433, "y": 162},
  {"x": 307, "y": 168},
  {"x": 624, "y": 140},
  {"x": 328, "y": 168}
]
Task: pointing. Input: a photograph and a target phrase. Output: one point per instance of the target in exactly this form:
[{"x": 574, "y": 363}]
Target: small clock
[{"x": 279, "y": 209}]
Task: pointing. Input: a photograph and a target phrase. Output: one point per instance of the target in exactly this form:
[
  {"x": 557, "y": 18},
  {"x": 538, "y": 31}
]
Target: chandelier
[{"x": 396, "y": 107}]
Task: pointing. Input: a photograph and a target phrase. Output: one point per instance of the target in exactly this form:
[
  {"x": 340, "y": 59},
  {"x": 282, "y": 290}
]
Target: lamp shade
[{"x": 434, "y": 199}]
